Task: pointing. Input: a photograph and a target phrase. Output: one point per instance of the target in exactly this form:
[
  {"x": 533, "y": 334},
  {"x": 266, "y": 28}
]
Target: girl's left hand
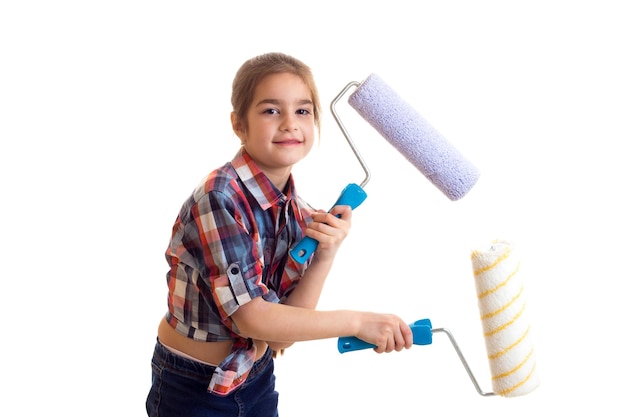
[{"x": 330, "y": 229}]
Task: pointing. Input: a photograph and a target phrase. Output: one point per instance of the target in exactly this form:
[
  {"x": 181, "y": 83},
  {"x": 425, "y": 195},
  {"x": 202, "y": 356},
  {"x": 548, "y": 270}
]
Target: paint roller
[
  {"x": 409, "y": 133},
  {"x": 506, "y": 328},
  {"x": 502, "y": 308}
]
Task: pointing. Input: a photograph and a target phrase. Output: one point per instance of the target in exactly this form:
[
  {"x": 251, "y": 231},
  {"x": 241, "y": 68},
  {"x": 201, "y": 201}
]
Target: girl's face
[{"x": 281, "y": 128}]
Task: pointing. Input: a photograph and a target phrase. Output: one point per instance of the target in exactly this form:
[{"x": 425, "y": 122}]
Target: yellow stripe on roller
[
  {"x": 500, "y": 285},
  {"x": 519, "y": 384},
  {"x": 492, "y": 265},
  {"x": 516, "y": 368},
  {"x": 507, "y": 324},
  {"x": 508, "y": 348},
  {"x": 504, "y": 307}
]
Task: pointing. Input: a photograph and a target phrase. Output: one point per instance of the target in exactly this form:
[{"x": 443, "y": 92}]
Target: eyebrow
[{"x": 275, "y": 101}]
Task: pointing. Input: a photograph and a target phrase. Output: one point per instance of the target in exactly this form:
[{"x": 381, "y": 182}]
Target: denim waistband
[{"x": 199, "y": 369}]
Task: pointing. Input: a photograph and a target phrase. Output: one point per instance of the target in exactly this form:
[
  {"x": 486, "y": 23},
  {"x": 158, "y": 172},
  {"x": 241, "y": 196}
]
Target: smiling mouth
[{"x": 288, "y": 142}]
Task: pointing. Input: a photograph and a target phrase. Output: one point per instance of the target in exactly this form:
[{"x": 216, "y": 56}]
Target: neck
[{"x": 279, "y": 179}]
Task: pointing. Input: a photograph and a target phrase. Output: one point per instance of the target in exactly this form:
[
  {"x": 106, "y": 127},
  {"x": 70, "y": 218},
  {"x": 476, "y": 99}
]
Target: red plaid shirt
[{"x": 230, "y": 243}]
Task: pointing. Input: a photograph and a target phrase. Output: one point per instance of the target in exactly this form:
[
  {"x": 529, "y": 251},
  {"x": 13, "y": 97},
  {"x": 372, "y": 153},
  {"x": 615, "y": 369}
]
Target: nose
[{"x": 288, "y": 123}]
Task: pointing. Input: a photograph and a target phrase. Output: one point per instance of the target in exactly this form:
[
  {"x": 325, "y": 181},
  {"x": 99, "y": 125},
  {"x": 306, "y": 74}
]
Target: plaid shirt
[{"x": 229, "y": 244}]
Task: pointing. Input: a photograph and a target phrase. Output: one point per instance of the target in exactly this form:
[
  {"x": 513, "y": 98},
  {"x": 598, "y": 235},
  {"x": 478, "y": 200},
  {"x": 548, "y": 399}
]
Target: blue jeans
[{"x": 179, "y": 389}]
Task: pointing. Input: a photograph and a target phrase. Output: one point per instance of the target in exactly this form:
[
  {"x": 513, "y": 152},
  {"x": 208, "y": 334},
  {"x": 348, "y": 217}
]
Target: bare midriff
[{"x": 208, "y": 352}]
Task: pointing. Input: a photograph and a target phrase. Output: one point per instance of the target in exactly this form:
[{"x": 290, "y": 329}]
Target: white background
[{"x": 111, "y": 112}]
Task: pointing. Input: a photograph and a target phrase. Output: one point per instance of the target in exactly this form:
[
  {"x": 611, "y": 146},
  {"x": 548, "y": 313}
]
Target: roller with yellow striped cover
[
  {"x": 504, "y": 318},
  {"x": 507, "y": 334}
]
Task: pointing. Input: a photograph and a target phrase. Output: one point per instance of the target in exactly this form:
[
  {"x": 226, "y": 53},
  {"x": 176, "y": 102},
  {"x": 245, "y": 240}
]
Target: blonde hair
[{"x": 254, "y": 70}]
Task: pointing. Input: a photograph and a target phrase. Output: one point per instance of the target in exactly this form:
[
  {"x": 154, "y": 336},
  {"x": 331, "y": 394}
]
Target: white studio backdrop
[{"x": 111, "y": 112}]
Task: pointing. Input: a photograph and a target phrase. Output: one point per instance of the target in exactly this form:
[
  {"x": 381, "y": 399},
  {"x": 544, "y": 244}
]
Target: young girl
[{"x": 235, "y": 294}]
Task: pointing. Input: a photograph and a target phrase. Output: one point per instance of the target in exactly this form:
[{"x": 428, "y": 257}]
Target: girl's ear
[
  {"x": 238, "y": 128},
  {"x": 236, "y": 123}
]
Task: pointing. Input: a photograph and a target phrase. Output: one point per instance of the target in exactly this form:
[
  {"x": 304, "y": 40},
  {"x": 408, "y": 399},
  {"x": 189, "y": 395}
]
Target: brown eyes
[{"x": 302, "y": 112}]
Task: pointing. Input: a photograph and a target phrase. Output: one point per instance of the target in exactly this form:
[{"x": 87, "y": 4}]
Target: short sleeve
[{"x": 229, "y": 237}]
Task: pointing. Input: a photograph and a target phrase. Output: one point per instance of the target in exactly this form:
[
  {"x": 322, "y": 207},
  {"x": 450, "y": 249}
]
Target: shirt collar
[{"x": 257, "y": 183}]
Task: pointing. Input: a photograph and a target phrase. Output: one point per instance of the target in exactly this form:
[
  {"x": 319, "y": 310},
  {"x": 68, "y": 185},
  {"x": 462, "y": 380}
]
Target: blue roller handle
[
  {"x": 422, "y": 335},
  {"x": 353, "y": 195}
]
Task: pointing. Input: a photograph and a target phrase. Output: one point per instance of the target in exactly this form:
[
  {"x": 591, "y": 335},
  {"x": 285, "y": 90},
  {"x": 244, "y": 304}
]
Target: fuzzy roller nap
[
  {"x": 411, "y": 135},
  {"x": 502, "y": 306}
]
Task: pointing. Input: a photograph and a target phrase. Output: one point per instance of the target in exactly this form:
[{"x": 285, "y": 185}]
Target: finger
[
  {"x": 384, "y": 347},
  {"x": 344, "y": 212},
  {"x": 328, "y": 225},
  {"x": 325, "y": 217},
  {"x": 390, "y": 344},
  {"x": 385, "y": 343},
  {"x": 320, "y": 230},
  {"x": 397, "y": 340},
  {"x": 407, "y": 333}
]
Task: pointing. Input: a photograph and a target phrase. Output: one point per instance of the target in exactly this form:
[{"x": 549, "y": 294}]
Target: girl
[{"x": 235, "y": 294}]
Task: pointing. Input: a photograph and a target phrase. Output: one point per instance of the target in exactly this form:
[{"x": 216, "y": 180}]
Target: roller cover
[
  {"x": 436, "y": 158},
  {"x": 505, "y": 323}
]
